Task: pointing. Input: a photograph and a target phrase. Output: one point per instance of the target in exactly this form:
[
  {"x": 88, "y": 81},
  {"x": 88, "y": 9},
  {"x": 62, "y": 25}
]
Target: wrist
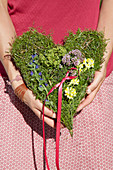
[
  {"x": 15, "y": 84},
  {"x": 20, "y": 91},
  {"x": 13, "y": 74}
]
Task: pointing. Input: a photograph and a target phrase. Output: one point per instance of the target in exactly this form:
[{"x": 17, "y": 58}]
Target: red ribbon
[{"x": 58, "y": 117}]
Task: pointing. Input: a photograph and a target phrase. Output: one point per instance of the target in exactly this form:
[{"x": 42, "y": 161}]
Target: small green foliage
[{"x": 43, "y": 64}]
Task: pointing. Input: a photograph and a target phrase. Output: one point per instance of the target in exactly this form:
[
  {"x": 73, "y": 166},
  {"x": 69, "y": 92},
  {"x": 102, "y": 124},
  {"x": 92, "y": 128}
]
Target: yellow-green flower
[
  {"x": 70, "y": 92},
  {"x": 80, "y": 68},
  {"x": 74, "y": 82},
  {"x": 85, "y": 61},
  {"x": 89, "y": 62},
  {"x": 88, "y": 65}
]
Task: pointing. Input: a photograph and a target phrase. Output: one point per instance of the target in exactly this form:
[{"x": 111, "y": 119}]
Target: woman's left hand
[
  {"x": 105, "y": 25},
  {"x": 94, "y": 87}
]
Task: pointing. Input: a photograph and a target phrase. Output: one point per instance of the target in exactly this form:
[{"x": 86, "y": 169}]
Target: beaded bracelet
[{"x": 20, "y": 91}]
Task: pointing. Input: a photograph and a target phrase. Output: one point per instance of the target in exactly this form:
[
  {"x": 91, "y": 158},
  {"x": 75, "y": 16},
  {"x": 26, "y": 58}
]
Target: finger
[
  {"x": 95, "y": 83},
  {"x": 88, "y": 99},
  {"x": 82, "y": 100},
  {"x": 51, "y": 122},
  {"x": 32, "y": 102},
  {"x": 47, "y": 111},
  {"x": 62, "y": 125}
]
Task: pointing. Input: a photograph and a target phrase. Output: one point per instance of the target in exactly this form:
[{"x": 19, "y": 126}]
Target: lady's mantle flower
[
  {"x": 85, "y": 61},
  {"x": 74, "y": 82},
  {"x": 80, "y": 68},
  {"x": 70, "y": 92},
  {"x": 89, "y": 62}
]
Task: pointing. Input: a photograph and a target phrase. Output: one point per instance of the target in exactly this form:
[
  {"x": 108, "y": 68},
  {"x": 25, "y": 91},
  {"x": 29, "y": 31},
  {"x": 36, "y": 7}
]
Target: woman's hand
[
  {"x": 36, "y": 106},
  {"x": 7, "y": 34},
  {"x": 105, "y": 25},
  {"x": 27, "y": 96},
  {"x": 94, "y": 87}
]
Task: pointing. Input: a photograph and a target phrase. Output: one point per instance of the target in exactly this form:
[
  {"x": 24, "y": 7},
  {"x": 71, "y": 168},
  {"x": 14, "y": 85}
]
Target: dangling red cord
[{"x": 58, "y": 118}]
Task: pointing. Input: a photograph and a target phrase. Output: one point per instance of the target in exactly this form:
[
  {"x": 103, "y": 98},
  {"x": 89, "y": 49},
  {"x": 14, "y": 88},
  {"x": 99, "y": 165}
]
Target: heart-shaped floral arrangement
[{"x": 44, "y": 64}]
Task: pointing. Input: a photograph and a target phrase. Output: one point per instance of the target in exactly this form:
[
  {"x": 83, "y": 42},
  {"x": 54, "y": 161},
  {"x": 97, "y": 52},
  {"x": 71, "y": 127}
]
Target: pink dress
[{"x": 91, "y": 147}]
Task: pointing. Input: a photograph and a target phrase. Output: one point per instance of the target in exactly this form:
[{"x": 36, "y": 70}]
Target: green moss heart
[{"x": 43, "y": 64}]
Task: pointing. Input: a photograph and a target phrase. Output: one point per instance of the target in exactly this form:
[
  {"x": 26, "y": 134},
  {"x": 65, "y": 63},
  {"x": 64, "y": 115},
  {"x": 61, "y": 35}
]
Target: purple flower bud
[
  {"x": 41, "y": 79},
  {"x": 68, "y": 60},
  {"x": 46, "y": 84},
  {"x": 40, "y": 86},
  {"x": 73, "y": 73},
  {"x": 37, "y": 66},
  {"x": 78, "y": 62},
  {"x": 30, "y": 63},
  {"x": 64, "y": 59},
  {"x": 33, "y": 56},
  {"x": 82, "y": 58},
  {"x": 31, "y": 73},
  {"x": 40, "y": 73},
  {"x": 77, "y": 53},
  {"x": 47, "y": 100},
  {"x": 33, "y": 61},
  {"x": 70, "y": 52},
  {"x": 74, "y": 60}
]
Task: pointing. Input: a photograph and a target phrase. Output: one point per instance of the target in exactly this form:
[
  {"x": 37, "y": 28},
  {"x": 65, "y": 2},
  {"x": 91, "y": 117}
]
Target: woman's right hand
[
  {"x": 36, "y": 106},
  {"x": 27, "y": 96},
  {"x": 7, "y": 34}
]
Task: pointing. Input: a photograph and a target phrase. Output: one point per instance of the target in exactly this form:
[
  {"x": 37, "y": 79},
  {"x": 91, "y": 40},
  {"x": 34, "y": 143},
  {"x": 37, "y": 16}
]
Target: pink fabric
[
  {"x": 58, "y": 18},
  {"x": 90, "y": 148},
  {"x": 21, "y": 131}
]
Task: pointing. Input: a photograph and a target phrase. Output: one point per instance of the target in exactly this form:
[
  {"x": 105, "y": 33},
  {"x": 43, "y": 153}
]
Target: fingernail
[
  {"x": 61, "y": 125},
  {"x": 88, "y": 91},
  {"x": 82, "y": 100},
  {"x": 78, "y": 109},
  {"x": 54, "y": 115}
]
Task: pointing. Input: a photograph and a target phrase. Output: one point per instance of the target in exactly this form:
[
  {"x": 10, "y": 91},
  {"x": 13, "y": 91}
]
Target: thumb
[{"x": 95, "y": 83}]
